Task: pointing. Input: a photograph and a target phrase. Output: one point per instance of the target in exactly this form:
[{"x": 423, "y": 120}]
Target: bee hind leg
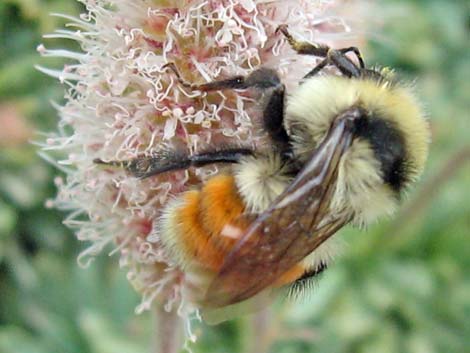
[{"x": 166, "y": 161}]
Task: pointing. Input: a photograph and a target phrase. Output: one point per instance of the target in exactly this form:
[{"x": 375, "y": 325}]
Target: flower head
[{"x": 122, "y": 103}]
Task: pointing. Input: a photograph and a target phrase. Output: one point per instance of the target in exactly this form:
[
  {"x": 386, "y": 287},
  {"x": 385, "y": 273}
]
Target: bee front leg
[
  {"x": 334, "y": 57},
  {"x": 303, "y": 48},
  {"x": 356, "y": 51},
  {"x": 315, "y": 70},
  {"x": 343, "y": 63}
]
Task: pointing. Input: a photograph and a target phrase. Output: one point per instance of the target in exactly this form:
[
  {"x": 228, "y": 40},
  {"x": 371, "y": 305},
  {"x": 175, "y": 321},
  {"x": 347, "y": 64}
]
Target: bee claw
[
  {"x": 119, "y": 164},
  {"x": 172, "y": 67},
  {"x": 102, "y": 162},
  {"x": 281, "y": 28}
]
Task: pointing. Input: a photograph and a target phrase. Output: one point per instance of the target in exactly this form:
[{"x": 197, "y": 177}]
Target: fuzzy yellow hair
[{"x": 360, "y": 188}]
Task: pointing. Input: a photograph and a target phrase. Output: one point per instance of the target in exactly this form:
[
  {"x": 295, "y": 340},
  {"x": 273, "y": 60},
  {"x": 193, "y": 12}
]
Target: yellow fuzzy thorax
[{"x": 316, "y": 103}]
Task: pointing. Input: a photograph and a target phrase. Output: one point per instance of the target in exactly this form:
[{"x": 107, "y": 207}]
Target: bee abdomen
[{"x": 201, "y": 226}]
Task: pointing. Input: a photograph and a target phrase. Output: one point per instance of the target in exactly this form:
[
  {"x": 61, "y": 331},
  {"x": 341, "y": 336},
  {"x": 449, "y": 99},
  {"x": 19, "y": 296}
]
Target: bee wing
[{"x": 296, "y": 224}]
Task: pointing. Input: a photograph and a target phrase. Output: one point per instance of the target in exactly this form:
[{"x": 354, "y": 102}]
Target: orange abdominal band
[
  {"x": 210, "y": 223},
  {"x": 204, "y": 215}
]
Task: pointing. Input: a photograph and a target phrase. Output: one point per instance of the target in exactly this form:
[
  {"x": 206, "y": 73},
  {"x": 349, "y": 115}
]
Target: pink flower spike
[{"x": 121, "y": 103}]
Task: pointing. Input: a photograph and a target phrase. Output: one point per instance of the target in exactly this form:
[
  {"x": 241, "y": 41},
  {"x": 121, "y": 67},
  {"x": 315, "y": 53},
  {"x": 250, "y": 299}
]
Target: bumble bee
[{"x": 345, "y": 145}]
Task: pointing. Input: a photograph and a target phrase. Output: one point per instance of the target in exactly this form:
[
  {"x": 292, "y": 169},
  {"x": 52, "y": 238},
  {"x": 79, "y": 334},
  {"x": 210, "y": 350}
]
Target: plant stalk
[{"x": 168, "y": 331}]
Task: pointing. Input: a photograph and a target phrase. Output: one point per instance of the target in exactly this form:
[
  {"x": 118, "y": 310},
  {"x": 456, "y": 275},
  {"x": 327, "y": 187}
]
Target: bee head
[{"x": 390, "y": 141}]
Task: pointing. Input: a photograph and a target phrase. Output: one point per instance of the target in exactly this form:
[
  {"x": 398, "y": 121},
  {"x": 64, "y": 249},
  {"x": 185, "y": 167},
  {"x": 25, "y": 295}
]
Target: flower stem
[
  {"x": 261, "y": 338},
  {"x": 167, "y": 337}
]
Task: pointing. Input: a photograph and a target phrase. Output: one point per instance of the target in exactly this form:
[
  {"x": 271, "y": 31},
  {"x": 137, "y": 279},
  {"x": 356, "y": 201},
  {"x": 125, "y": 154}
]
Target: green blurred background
[{"x": 403, "y": 286}]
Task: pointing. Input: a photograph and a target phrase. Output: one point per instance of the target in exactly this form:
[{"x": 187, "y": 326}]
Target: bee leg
[
  {"x": 236, "y": 82},
  {"x": 343, "y": 63},
  {"x": 166, "y": 161},
  {"x": 262, "y": 79},
  {"x": 180, "y": 79},
  {"x": 356, "y": 51},
  {"x": 316, "y": 69},
  {"x": 273, "y": 121},
  {"x": 332, "y": 56},
  {"x": 273, "y": 114},
  {"x": 303, "y": 48}
]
